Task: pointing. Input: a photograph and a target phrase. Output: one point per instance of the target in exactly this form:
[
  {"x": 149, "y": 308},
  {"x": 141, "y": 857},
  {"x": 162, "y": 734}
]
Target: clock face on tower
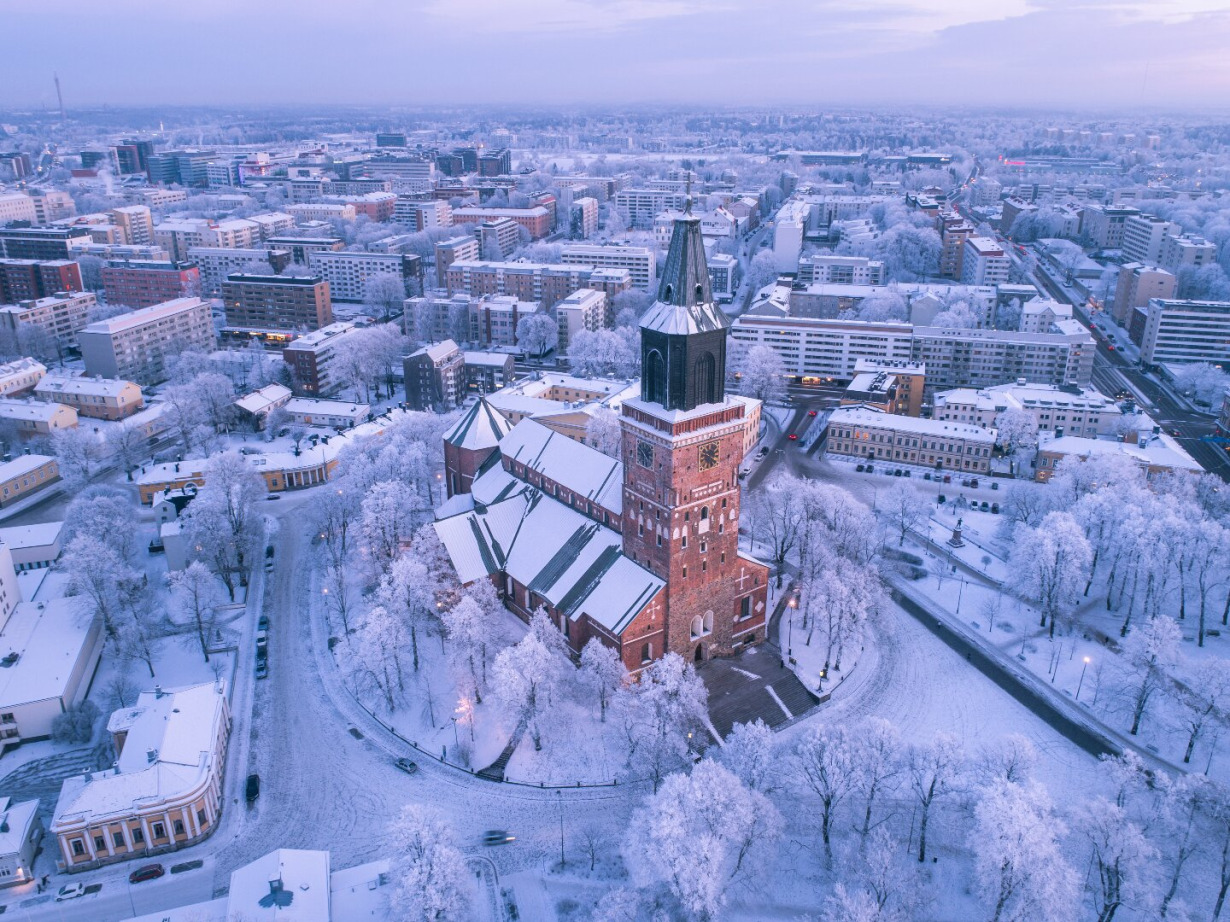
[
  {"x": 644, "y": 454},
  {"x": 708, "y": 455}
]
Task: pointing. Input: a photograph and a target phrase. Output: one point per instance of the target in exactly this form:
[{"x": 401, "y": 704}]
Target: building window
[
  {"x": 100, "y": 844},
  {"x": 138, "y": 835},
  {"x": 160, "y": 831},
  {"x": 745, "y": 607},
  {"x": 179, "y": 827},
  {"x": 78, "y": 847},
  {"x": 200, "y": 819},
  {"x": 118, "y": 839},
  {"x": 646, "y": 652}
]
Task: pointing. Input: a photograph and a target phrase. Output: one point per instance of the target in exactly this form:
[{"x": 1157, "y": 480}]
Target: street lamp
[
  {"x": 790, "y": 627},
  {"x": 960, "y": 593},
  {"x": 1082, "y": 679}
]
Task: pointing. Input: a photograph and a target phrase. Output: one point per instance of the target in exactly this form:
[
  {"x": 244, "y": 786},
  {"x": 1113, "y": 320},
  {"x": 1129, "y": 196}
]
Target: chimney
[
  {"x": 151, "y": 756},
  {"x": 275, "y": 884},
  {"x": 1059, "y": 432},
  {"x": 157, "y": 691}
]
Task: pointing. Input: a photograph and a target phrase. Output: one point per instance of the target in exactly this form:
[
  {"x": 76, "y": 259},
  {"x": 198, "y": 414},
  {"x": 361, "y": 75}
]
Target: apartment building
[
  {"x": 1142, "y": 237},
  {"x": 1103, "y": 225},
  {"x": 62, "y": 315},
  {"x": 276, "y": 303},
  {"x": 36, "y": 417},
  {"x": 498, "y": 238},
  {"x": 437, "y": 316},
  {"x": 349, "y": 274},
  {"x": 495, "y": 162},
  {"x": 487, "y": 372},
  {"x": 893, "y": 388},
  {"x": 870, "y": 433},
  {"x": 982, "y": 358},
  {"x": 984, "y": 262},
  {"x": 1185, "y": 331},
  {"x": 164, "y": 791},
  {"x": 435, "y": 377},
  {"x": 1181, "y": 251},
  {"x": 321, "y": 211},
  {"x": 216, "y": 263},
  {"x": 1039, "y": 314},
  {"x": 723, "y": 276},
  {"x": 422, "y": 215},
  {"x": 30, "y": 279},
  {"x": 1081, "y": 412},
  {"x": 547, "y": 283},
  {"x": 583, "y": 218},
  {"x": 494, "y": 319},
  {"x": 134, "y": 346},
  {"x": 136, "y": 222},
  {"x": 26, "y": 474},
  {"x": 536, "y": 220},
  {"x": 20, "y": 376},
  {"x": 1137, "y": 284},
  {"x": 825, "y": 269},
  {"x": 142, "y": 283},
  {"x": 302, "y": 248},
  {"x": 96, "y": 398},
  {"x": 641, "y": 262},
  {"x": 585, "y": 309},
  {"x": 272, "y": 224},
  {"x": 954, "y": 232},
  {"x": 643, "y": 205},
  {"x": 813, "y": 349},
  {"x": 42, "y": 242},
  {"x": 789, "y": 228},
  {"x": 312, "y": 359},
  {"x": 180, "y": 236},
  {"x": 17, "y": 206},
  {"x": 452, "y": 250}
]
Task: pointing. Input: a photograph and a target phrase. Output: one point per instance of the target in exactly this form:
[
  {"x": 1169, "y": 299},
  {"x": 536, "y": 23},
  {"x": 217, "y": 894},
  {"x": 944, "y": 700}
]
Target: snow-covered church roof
[
  {"x": 583, "y": 470},
  {"x": 481, "y": 427}
]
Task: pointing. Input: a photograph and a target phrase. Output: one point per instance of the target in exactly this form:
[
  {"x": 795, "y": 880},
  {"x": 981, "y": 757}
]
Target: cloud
[{"x": 520, "y": 16}]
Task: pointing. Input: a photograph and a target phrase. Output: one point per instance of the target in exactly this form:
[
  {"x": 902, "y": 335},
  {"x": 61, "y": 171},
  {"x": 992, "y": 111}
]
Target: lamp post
[
  {"x": 456, "y": 739},
  {"x": 790, "y": 627},
  {"x": 960, "y": 593},
  {"x": 560, "y": 800},
  {"x": 1082, "y": 679}
]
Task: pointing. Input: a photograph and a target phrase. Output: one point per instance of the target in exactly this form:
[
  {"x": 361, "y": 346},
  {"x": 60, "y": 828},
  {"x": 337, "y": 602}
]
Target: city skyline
[{"x": 1029, "y": 53}]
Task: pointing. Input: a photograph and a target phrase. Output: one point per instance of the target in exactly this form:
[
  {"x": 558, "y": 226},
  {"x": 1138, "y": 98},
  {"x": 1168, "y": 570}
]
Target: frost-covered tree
[
  {"x": 777, "y": 520},
  {"x": 537, "y": 333},
  {"x": 1119, "y": 857},
  {"x": 933, "y": 770},
  {"x": 101, "y": 576},
  {"x": 906, "y": 508},
  {"x": 432, "y": 882},
  {"x": 763, "y": 375},
  {"x": 222, "y": 524},
  {"x": 750, "y": 752},
  {"x": 77, "y": 450},
  {"x": 382, "y": 639},
  {"x": 1021, "y": 869},
  {"x": 698, "y": 835},
  {"x": 385, "y": 293},
  {"x": 405, "y": 591},
  {"x": 467, "y": 629},
  {"x": 762, "y": 271},
  {"x": 1205, "y": 700},
  {"x": 196, "y": 596},
  {"x": 1051, "y": 563},
  {"x": 1176, "y": 823},
  {"x": 128, "y": 445},
  {"x": 1151, "y": 651},
  {"x": 1204, "y": 382},
  {"x": 883, "y": 307},
  {"x": 881, "y": 763},
  {"x": 524, "y": 677},
  {"x": 604, "y": 432},
  {"x": 827, "y": 761},
  {"x": 1009, "y": 760},
  {"x": 1017, "y": 432},
  {"x": 106, "y": 513},
  {"x": 602, "y": 672},
  {"x": 389, "y": 515},
  {"x": 661, "y": 714}
]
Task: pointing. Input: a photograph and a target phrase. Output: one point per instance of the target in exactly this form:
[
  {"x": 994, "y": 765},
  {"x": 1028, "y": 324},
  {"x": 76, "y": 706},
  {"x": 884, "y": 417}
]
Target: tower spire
[{"x": 687, "y": 201}]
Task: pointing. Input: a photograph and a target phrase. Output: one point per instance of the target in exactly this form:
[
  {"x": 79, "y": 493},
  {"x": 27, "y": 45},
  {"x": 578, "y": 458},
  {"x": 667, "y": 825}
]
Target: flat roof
[
  {"x": 48, "y": 637},
  {"x": 144, "y": 315}
]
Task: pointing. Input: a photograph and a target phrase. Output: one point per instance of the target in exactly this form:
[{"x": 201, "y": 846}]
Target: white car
[{"x": 70, "y": 892}]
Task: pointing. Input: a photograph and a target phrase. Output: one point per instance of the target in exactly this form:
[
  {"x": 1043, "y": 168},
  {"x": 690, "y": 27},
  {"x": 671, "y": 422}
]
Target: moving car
[
  {"x": 794, "y": 437},
  {"x": 811, "y": 412},
  {"x": 407, "y": 766},
  {"x": 497, "y": 837},
  {"x": 148, "y": 872},
  {"x": 70, "y": 892},
  {"x": 252, "y": 789}
]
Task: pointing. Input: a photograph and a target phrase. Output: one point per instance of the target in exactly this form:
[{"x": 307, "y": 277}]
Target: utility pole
[{"x": 560, "y": 799}]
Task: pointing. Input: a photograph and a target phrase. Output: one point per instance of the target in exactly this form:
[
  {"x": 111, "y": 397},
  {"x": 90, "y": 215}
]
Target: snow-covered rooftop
[
  {"x": 15, "y": 820},
  {"x": 482, "y": 426},
  {"x": 265, "y": 399},
  {"x": 48, "y": 638},
  {"x": 289, "y": 885},
  {"x": 1152, "y": 451},
  {"x": 89, "y": 387},
  {"x": 40, "y": 534},
  {"x": 585, "y": 471},
  {"x": 872, "y": 417},
  {"x": 37, "y": 410}
]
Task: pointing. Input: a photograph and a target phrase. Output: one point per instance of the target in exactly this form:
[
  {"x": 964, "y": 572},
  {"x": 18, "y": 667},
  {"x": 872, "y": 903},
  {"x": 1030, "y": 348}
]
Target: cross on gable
[{"x": 743, "y": 578}]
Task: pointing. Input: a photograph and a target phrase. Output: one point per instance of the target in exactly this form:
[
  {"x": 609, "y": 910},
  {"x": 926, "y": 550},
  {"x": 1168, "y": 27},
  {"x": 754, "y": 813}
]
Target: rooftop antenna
[
  {"x": 60, "y": 97},
  {"x": 687, "y": 202}
]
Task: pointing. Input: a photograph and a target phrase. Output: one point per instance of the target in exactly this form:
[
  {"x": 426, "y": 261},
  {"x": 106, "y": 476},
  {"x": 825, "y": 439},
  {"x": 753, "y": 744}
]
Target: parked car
[
  {"x": 262, "y": 642},
  {"x": 871, "y": 469},
  {"x": 994, "y": 484},
  {"x": 262, "y": 623},
  {"x": 948, "y": 478},
  {"x": 272, "y": 496},
  {"x": 995, "y": 508},
  {"x": 252, "y": 789},
  {"x": 497, "y": 837},
  {"x": 407, "y": 766},
  {"x": 985, "y": 506},
  {"x": 974, "y": 482},
  {"x": 860, "y": 468},
  {"x": 70, "y": 892},
  {"x": 147, "y": 872},
  {"x": 906, "y": 474},
  {"x": 897, "y": 472},
  {"x": 744, "y": 472},
  {"x": 764, "y": 450},
  {"x": 262, "y": 667}
]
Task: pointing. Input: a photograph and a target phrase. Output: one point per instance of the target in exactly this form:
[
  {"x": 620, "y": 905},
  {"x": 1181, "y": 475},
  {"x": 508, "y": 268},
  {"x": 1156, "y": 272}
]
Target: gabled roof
[
  {"x": 581, "y": 469},
  {"x": 685, "y": 302},
  {"x": 481, "y": 427}
]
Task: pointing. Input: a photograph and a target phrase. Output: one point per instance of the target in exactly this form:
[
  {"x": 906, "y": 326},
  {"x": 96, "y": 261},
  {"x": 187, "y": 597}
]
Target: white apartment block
[
  {"x": 582, "y": 310},
  {"x": 53, "y": 205},
  {"x": 984, "y": 262},
  {"x": 723, "y": 276},
  {"x": 641, "y": 262},
  {"x": 178, "y": 237},
  {"x": 1180, "y": 251},
  {"x": 422, "y": 215},
  {"x": 348, "y": 273},
  {"x": 1186, "y": 331},
  {"x": 823, "y": 268},
  {"x": 1087, "y": 413},
  {"x": 20, "y": 376},
  {"x": 788, "y": 229},
  {"x": 16, "y": 206},
  {"x": 1142, "y": 238},
  {"x": 216, "y": 263},
  {"x": 62, "y": 315},
  {"x": 494, "y": 319},
  {"x": 134, "y": 346},
  {"x": 869, "y": 433},
  {"x": 983, "y": 358},
  {"x": 1104, "y": 225},
  {"x": 811, "y": 348},
  {"x": 1039, "y": 314},
  {"x": 321, "y": 211},
  {"x": 642, "y": 205},
  {"x": 273, "y": 223}
]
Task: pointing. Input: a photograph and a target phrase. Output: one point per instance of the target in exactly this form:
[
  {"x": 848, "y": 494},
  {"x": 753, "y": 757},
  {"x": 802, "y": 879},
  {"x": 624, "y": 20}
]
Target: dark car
[
  {"x": 262, "y": 667},
  {"x": 252, "y": 789},
  {"x": 974, "y": 483},
  {"x": 148, "y": 872},
  {"x": 860, "y": 468},
  {"x": 273, "y": 496},
  {"x": 985, "y": 506},
  {"x": 407, "y": 766},
  {"x": 262, "y": 623},
  {"x": 994, "y": 485},
  {"x": 497, "y": 837},
  {"x": 995, "y": 508}
]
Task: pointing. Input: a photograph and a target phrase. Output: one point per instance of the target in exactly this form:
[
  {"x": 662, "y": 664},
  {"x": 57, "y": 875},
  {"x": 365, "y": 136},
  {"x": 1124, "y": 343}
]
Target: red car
[
  {"x": 793, "y": 437},
  {"x": 1110, "y": 347},
  {"x": 811, "y": 412},
  {"x": 149, "y": 872}
]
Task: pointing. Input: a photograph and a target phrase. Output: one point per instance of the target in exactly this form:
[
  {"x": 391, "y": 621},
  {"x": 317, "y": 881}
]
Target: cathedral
[{"x": 641, "y": 552}]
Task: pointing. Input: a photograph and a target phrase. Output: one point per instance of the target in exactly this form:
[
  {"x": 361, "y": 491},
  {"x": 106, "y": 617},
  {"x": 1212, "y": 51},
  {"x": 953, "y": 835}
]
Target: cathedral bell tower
[{"x": 683, "y": 442}]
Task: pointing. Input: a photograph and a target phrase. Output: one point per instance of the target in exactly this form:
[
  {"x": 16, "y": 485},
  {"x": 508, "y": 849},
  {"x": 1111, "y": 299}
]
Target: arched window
[
  {"x": 700, "y": 292},
  {"x": 707, "y": 623},
  {"x": 670, "y": 290},
  {"x": 704, "y": 374},
  {"x": 698, "y": 626},
  {"x": 704, "y": 513},
  {"x": 655, "y": 377}
]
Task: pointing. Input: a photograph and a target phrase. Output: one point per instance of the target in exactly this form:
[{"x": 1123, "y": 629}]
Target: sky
[{"x": 1069, "y": 54}]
